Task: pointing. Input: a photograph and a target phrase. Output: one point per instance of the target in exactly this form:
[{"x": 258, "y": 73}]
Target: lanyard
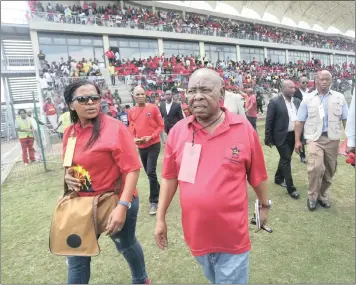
[
  {"x": 136, "y": 117},
  {"x": 196, "y": 130}
]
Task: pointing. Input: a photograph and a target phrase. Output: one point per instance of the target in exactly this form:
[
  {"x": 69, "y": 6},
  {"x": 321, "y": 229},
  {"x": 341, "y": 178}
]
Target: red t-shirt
[
  {"x": 215, "y": 207},
  {"x": 146, "y": 121},
  {"x": 49, "y": 109},
  {"x": 113, "y": 154},
  {"x": 251, "y": 100}
]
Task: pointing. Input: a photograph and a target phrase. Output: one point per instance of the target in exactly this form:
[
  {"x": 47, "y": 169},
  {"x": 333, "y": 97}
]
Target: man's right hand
[
  {"x": 298, "y": 147},
  {"x": 138, "y": 141},
  {"x": 161, "y": 234},
  {"x": 73, "y": 183}
]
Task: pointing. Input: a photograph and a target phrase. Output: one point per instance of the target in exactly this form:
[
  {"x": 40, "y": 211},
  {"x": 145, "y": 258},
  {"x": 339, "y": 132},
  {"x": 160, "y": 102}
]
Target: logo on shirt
[
  {"x": 235, "y": 152},
  {"x": 84, "y": 177},
  {"x": 148, "y": 115}
]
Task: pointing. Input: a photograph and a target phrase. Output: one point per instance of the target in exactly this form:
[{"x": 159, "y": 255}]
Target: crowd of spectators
[
  {"x": 159, "y": 73},
  {"x": 145, "y": 18}
]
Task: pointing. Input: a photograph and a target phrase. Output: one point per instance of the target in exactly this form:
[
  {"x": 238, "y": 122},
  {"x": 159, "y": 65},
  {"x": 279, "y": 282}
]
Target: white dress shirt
[
  {"x": 304, "y": 93},
  {"x": 168, "y": 107},
  {"x": 350, "y": 124},
  {"x": 292, "y": 113}
]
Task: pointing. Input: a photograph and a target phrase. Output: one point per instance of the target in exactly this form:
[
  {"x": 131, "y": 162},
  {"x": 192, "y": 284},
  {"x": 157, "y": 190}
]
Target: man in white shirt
[
  {"x": 279, "y": 131},
  {"x": 171, "y": 111},
  {"x": 350, "y": 127},
  {"x": 234, "y": 103}
]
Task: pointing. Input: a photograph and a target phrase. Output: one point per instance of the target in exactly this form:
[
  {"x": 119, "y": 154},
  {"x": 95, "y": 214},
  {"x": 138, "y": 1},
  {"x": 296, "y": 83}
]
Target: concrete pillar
[
  {"x": 153, "y": 9},
  {"x": 310, "y": 56},
  {"x": 36, "y": 51},
  {"x": 160, "y": 47},
  {"x": 265, "y": 52},
  {"x": 331, "y": 59},
  {"x": 238, "y": 55},
  {"x": 201, "y": 49},
  {"x": 347, "y": 59},
  {"x": 106, "y": 45},
  {"x": 287, "y": 56},
  {"x": 10, "y": 120},
  {"x": 122, "y": 4},
  {"x": 183, "y": 15}
]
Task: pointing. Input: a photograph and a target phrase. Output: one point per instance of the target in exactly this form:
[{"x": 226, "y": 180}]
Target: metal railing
[
  {"x": 18, "y": 63},
  {"x": 111, "y": 21}
]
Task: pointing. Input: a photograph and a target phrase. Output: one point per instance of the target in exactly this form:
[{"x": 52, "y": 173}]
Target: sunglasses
[
  {"x": 304, "y": 82},
  {"x": 83, "y": 100}
]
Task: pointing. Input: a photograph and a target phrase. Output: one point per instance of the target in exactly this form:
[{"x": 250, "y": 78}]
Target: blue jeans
[
  {"x": 126, "y": 243},
  {"x": 225, "y": 268}
]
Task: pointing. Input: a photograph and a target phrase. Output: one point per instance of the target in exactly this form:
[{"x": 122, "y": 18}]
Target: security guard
[{"x": 320, "y": 114}]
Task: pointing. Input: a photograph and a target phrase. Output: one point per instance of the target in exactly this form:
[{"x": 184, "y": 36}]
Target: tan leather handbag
[{"x": 78, "y": 221}]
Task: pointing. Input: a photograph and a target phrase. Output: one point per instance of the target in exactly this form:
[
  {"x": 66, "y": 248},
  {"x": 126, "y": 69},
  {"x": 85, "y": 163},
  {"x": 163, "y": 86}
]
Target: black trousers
[
  {"x": 252, "y": 120},
  {"x": 149, "y": 157},
  {"x": 284, "y": 170},
  {"x": 259, "y": 108},
  {"x": 112, "y": 77}
]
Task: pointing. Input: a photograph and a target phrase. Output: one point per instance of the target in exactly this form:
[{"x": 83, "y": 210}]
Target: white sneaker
[{"x": 26, "y": 164}]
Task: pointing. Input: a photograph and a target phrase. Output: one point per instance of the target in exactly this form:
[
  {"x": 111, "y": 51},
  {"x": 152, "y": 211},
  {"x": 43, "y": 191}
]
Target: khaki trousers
[{"x": 322, "y": 162}]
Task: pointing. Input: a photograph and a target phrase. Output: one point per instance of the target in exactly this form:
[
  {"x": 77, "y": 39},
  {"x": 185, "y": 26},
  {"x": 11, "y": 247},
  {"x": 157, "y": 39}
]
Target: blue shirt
[
  {"x": 303, "y": 110},
  {"x": 123, "y": 117}
]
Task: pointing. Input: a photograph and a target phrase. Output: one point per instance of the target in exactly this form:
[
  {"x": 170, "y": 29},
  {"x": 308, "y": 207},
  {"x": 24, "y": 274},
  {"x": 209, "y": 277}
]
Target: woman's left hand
[{"x": 116, "y": 220}]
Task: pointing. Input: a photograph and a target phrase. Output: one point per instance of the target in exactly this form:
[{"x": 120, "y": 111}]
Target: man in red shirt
[
  {"x": 146, "y": 124},
  {"x": 50, "y": 111},
  {"x": 251, "y": 108},
  {"x": 209, "y": 155}
]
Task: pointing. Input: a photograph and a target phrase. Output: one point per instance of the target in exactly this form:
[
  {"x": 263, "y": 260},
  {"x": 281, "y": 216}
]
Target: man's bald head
[
  {"x": 139, "y": 95},
  {"x": 323, "y": 81},
  {"x": 288, "y": 88},
  {"x": 138, "y": 89},
  {"x": 211, "y": 74}
]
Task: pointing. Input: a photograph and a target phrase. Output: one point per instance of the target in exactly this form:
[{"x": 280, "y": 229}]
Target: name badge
[
  {"x": 190, "y": 162},
  {"x": 68, "y": 157},
  {"x": 321, "y": 111}
]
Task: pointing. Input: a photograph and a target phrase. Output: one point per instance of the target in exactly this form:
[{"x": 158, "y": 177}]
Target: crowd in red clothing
[{"x": 145, "y": 18}]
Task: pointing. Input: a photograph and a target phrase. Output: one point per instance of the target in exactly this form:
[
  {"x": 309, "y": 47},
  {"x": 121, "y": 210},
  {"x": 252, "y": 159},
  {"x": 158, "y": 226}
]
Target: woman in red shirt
[{"x": 104, "y": 152}]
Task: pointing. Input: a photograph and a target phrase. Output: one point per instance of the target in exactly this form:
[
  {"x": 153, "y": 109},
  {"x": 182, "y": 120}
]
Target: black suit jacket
[
  {"x": 175, "y": 114},
  {"x": 277, "y": 120},
  {"x": 298, "y": 95}
]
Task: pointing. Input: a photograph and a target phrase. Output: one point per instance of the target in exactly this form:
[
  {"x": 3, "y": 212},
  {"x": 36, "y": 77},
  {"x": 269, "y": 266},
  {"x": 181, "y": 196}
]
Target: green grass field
[{"x": 305, "y": 247}]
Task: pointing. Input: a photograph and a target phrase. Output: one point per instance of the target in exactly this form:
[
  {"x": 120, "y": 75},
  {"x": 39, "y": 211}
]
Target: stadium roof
[{"x": 336, "y": 17}]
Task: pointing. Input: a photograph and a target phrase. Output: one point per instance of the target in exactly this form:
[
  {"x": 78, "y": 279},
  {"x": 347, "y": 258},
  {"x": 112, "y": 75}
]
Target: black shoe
[
  {"x": 324, "y": 204},
  {"x": 253, "y": 220},
  {"x": 311, "y": 205},
  {"x": 282, "y": 184},
  {"x": 294, "y": 194},
  {"x": 303, "y": 160}
]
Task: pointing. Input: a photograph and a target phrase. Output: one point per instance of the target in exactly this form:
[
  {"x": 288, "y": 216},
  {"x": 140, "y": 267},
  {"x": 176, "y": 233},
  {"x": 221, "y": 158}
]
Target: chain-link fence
[{"x": 48, "y": 158}]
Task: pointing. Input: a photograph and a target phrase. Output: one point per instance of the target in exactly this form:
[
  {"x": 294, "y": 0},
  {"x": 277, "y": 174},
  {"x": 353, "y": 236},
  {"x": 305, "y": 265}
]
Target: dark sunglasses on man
[
  {"x": 83, "y": 100},
  {"x": 304, "y": 82}
]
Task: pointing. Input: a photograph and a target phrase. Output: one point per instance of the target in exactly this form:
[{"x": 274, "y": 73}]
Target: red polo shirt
[
  {"x": 146, "y": 121},
  {"x": 113, "y": 154},
  {"x": 215, "y": 208},
  {"x": 251, "y": 100}
]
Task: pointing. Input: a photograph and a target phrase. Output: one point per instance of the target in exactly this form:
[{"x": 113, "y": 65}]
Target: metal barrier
[{"x": 118, "y": 23}]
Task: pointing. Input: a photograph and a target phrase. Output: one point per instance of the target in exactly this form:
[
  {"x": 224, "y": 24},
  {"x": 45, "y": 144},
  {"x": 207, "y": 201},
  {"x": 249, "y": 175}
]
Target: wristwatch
[
  {"x": 267, "y": 206},
  {"x": 127, "y": 204}
]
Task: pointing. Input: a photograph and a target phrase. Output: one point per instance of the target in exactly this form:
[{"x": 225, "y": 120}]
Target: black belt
[{"x": 325, "y": 134}]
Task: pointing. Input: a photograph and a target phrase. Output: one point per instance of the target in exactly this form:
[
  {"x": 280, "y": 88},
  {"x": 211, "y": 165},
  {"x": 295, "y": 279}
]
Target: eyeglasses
[
  {"x": 83, "y": 100},
  {"x": 304, "y": 82}
]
